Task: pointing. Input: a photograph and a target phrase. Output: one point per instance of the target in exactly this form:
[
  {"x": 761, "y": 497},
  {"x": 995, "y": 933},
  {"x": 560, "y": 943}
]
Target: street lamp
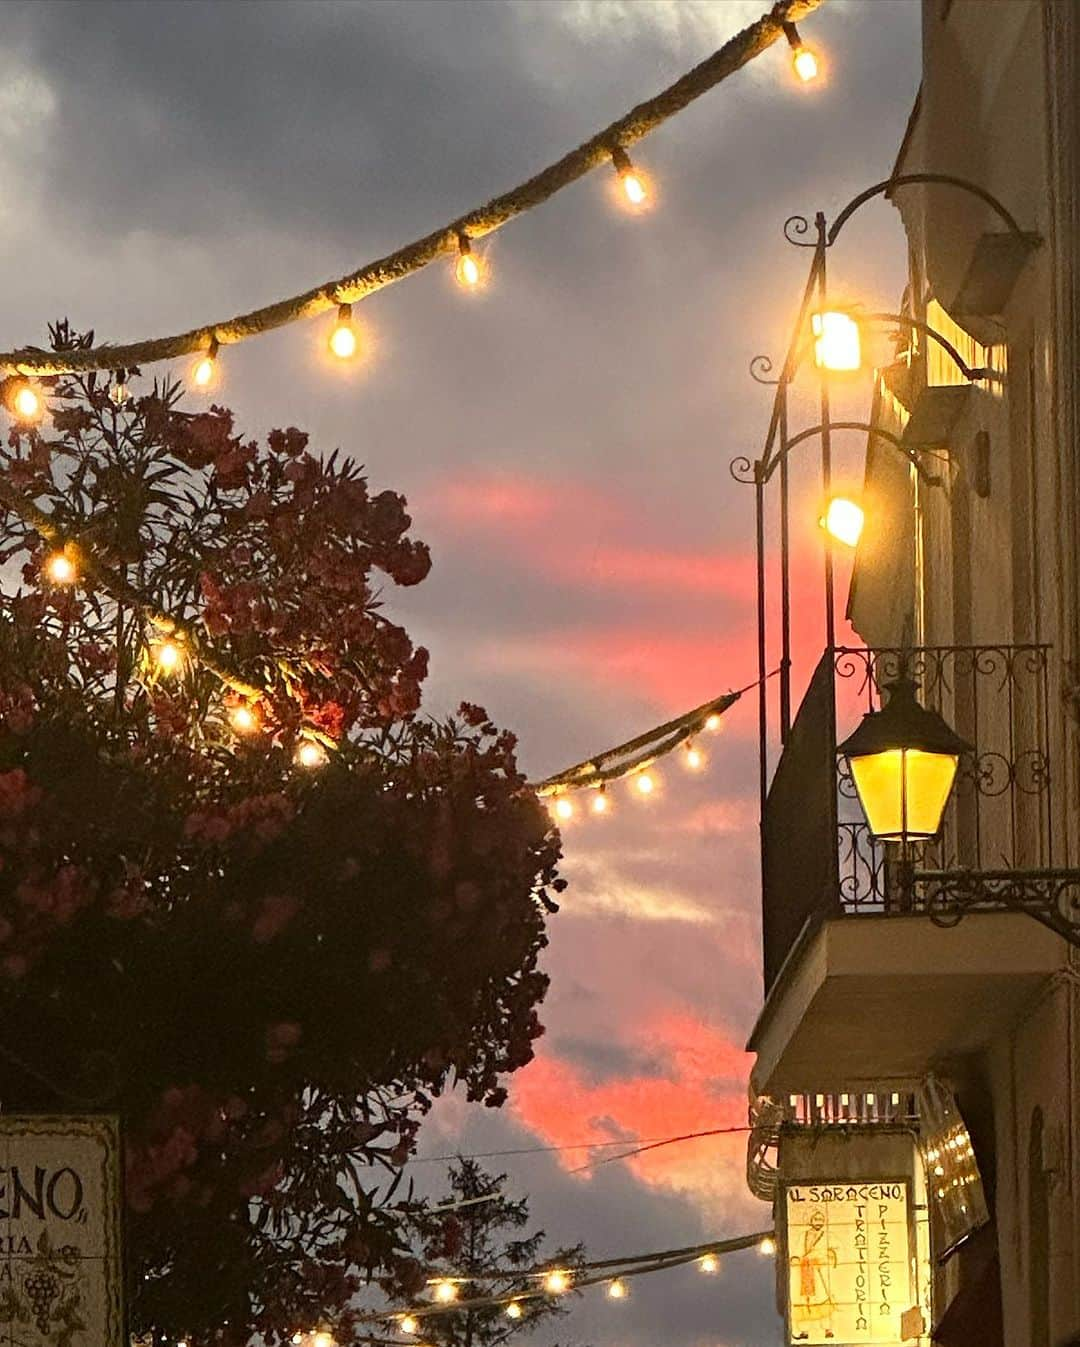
[
  {"x": 844, "y": 519},
  {"x": 903, "y": 760},
  {"x": 836, "y": 341}
]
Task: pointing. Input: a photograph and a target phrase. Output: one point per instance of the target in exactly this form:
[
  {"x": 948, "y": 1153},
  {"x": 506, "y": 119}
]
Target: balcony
[{"x": 846, "y": 945}]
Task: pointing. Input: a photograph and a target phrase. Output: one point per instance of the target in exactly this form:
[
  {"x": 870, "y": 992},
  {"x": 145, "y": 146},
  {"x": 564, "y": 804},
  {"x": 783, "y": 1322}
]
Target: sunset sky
[{"x": 563, "y": 440}]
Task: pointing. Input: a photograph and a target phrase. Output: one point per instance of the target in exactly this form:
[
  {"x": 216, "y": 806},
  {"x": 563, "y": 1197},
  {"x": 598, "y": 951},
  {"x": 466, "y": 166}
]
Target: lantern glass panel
[{"x": 903, "y": 791}]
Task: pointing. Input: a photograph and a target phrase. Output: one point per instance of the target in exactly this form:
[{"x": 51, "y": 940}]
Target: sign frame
[
  {"x": 842, "y": 1181},
  {"x": 101, "y": 1134}
]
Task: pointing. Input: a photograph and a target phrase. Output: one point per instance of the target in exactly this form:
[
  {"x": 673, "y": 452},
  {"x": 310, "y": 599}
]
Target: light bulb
[
  {"x": 168, "y": 656},
  {"x": 805, "y": 63},
  {"x": 469, "y": 269},
  {"x": 297, "y": 1339},
  {"x": 713, "y": 722},
  {"x": 513, "y": 1310},
  {"x": 767, "y": 1247},
  {"x": 600, "y": 802},
  {"x": 27, "y": 404},
  {"x": 695, "y": 759},
  {"x": 836, "y": 341},
  {"x": 645, "y": 784},
  {"x": 118, "y": 395},
  {"x": 445, "y": 1292},
  {"x": 243, "y": 719},
  {"x": 205, "y": 370},
  {"x": 617, "y": 1289},
  {"x": 633, "y": 183},
  {"x": 556, "y": 1283},
  {"x": 634, "y": 189},
  {"x": 323, "y": 1339},
  {"x": 409, "y": 1323},
  {"x": 564, "y": 808},
  {"x": 311, "y": 754},
  {"x": 709, "y": 1263},
  {"x": 844, "y": 520},
  {"x": 343, "y": 341},
  {"x": 60, "y": 568}
]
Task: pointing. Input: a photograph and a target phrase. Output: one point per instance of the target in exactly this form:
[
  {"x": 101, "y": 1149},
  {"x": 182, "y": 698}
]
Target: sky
[{"x": 563, "y": 440}]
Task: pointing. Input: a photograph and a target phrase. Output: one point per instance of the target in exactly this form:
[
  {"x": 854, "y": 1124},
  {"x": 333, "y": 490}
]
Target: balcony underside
[{"x": 871, "y": 998}]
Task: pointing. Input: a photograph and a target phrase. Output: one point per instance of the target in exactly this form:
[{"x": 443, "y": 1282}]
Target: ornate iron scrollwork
[{"x": 1050, "y": 896}]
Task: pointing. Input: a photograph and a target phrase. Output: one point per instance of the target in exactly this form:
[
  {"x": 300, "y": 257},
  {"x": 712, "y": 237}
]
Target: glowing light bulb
[
  {"x": 243, "y": 719},
  {"x": 767, "y": 1247},
  {"x": 445, "y": 1292},
  {"x": 60, "y": 569},
  {"x": 564, "y": 808},
  {"x": 297, "y": 1338},
  {"x": 168, "y": 656},
  {"x": 617, "y": 1289},
  {"x": 555, "y": 1283},
  {"x": 645, "y": 784},
  {"x": 694, "y": 758},
  {"x": 634, "y": 189},
  {"x": 205, "y": 371},
  {"x": 805, "y": 64},
  {"x": 513, "y": 1310},
  {"x": 343, "y": 342},
  {"x": 119, "y": 393},
  {"x": 27, "y": 403},
  {"x": 409, "y": 1323},
  {"x": 709, "y": 1263},
  {"x": 323, "y": 1339},
  {"x": 311, "y": 754},
  {"x": 713, "y": 722},
  {"x": 844, "y": 520},
  {"x": 836, "y": 341},
  {"x": 633, "y": 183},
  {"x": 469, "y": 271},
  {"x": 600, "y": 802}
]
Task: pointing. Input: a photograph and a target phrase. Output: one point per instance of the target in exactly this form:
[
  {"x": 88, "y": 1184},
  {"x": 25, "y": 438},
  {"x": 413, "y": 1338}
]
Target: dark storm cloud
[{"x": 169, "y": 163}]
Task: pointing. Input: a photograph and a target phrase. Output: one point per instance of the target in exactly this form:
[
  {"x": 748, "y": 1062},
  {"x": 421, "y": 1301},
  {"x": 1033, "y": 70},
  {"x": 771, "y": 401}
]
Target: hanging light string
[
  {"x": 553, "y": 1280},
  {"x": 600, "y": 149},
  {"x": 574, "y": 1146}
]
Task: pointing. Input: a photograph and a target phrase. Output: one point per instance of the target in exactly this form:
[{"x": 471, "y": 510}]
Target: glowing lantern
[
  {"x": 903, "y": 760},
  {"x": 836, "y": 341},
  {"x": 844, "y": 520}
]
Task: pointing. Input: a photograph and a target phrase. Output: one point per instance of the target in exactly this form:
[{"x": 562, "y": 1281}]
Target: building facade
[{"x": 929, "y": 1032}]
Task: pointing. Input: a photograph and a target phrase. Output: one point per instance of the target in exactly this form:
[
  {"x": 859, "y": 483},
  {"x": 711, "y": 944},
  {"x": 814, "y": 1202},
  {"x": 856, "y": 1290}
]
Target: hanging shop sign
[
  {"x": 60, "y": 1260},
  {"x": 849, "y": 1262}
]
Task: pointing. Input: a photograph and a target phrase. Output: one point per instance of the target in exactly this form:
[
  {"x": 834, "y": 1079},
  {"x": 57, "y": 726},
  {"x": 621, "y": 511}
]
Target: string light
[
  {"x": 119, "y": 393},
  {"x": 694, "y": 758},
  {"x": 556, "y": 1282},
  {"x": 244, "y": 719},
  {"x": 469, "y": 271},
  {"x": 645, "y": 784},
  {"x": 633, "y": 185},
  {"x": 709, "y": 1263},
  {"x": 409, "y": 1323},
  {"x": 205, "y": 371},
  {"x": 514, "y": 1310},
  {"x": 60, "y": 569},
  {"x": 322, "y": 1339},
  {"x": 803, "y": 60},
  {"x": 311, "y": 754},
  {"x": 564, "y": 809},
  {"x": 167, "y": 656},
  {"x": 714, "y": 723},
  {"x": 767, "y": 1247},
  {"x": 446, "y": 1291},
  {"x": 343, "y": 342},
  {"x": 600, "y": 804},
  {"x": 297, "y": 1339},
  {"x": 617, "y": 1289},
  {"x": 26, "y": 403}
]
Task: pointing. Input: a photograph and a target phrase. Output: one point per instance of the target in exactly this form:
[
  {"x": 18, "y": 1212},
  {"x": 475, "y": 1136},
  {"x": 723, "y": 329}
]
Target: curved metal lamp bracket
[
  {"x": 976, "y": 374},
  {"x": 912, "y": 455},
  {"x": 905, "y": 180}
]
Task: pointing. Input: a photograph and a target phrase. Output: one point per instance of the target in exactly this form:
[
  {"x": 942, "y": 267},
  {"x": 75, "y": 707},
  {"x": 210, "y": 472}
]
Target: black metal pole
[
  {"x": 763, "y": 703},
  {"x": 826, "y": 444},
  {"x": 785, "y": 573}
]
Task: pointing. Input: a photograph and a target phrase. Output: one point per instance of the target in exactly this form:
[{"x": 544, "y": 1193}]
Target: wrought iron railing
[{"x": 819, "y": 858}]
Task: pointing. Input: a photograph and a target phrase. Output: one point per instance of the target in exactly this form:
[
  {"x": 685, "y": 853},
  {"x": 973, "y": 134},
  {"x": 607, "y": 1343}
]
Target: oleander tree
[{"x": 250, "y": 899}]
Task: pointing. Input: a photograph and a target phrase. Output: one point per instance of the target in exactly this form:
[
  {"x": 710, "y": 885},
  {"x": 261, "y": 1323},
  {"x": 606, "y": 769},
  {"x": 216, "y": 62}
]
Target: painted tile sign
[
  {"x": 60, "y": 1263},
  {"x": 849, "y": 1262}
]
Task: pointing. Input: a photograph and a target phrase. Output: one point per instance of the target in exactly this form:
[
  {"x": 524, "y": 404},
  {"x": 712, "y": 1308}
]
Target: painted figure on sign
[{"x": 812, "y": 1304}]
